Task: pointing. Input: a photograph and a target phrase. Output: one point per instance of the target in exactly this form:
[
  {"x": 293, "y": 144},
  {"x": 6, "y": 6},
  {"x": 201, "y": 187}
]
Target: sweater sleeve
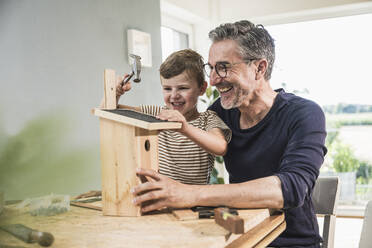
[{"x": 304, "y": 154}]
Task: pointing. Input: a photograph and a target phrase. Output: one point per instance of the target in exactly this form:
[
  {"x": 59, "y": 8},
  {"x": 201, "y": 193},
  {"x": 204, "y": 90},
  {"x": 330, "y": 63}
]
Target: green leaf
[
  {"x": 220, "y": 180},
  {"x": 219, "y": 159},
  {"x": 208, "y": 92},
  {"x": 215, "y": 94}
]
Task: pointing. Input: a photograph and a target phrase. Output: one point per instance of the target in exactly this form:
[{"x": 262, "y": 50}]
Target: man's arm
[
  {"x": 303, "y": 155},
  {"x": 260, "y": 193}
]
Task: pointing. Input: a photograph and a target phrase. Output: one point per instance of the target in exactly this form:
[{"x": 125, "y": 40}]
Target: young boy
[{"x": 186, "y": 155}]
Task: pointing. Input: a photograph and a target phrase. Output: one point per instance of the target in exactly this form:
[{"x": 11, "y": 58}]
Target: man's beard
[{"x": 236, "y": 100}]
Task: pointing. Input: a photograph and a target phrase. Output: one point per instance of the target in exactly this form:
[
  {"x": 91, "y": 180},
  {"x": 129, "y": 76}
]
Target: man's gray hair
[{"x": 254, "y": 42}]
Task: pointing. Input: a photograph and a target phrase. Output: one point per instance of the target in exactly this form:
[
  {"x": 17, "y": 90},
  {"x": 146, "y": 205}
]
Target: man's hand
[
  {"x": 163, "y": 191},
  {"x": 174, "y": 115}
]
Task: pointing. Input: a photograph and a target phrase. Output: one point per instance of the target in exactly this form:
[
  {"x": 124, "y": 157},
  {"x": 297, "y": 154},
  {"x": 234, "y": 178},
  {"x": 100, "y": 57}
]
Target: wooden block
[
  {"x": 230, "y": 222},
  {"x": 185, "y": 214},
  {"x": 109, "y": 89},
  {"x": 253, "y": 217}
]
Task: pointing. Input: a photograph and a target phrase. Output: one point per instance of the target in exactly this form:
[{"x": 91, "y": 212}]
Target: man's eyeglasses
[{"x": 222, "y": 67}]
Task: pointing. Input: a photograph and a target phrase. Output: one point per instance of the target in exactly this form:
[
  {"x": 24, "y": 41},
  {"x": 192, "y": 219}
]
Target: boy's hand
[
  {"x": 120, "y": 88},
  {"x": 174, "y": 115}
]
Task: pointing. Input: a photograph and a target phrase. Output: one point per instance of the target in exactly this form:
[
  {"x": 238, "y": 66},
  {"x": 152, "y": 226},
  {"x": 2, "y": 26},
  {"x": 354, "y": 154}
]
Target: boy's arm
[
  {"x": 120, "y": 90},
  {"x": 213, "y": 140}
]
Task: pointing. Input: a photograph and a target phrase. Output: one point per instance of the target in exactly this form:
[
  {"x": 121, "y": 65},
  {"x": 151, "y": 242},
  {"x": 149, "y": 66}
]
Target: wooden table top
[{"x": 82, "y": 227}]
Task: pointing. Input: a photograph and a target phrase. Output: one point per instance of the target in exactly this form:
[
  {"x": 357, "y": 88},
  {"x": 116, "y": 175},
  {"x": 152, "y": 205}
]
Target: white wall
[
  {"x": 237, "y": 9},
  {"x": 268, "y": 12},
  {"x": 52, "y": 57}
]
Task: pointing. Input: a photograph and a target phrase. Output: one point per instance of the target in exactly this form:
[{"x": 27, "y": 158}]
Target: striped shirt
[{"x": 179, "y": 157}]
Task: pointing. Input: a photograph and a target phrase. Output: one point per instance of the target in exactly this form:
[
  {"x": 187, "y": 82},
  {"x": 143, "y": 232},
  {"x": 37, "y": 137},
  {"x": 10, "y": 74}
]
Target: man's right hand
[{"x": 161, "y": 192}]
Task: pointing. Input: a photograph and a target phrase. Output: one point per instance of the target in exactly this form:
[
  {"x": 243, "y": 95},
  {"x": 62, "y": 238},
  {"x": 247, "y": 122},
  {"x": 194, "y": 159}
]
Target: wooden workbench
[{"x": 82, "y": 227}]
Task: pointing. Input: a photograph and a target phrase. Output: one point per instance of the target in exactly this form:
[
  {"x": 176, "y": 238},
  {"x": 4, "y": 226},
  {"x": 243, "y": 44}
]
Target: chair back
[
  {"x": 366, "y": 237},
  {"x": 325, "y": 198}
]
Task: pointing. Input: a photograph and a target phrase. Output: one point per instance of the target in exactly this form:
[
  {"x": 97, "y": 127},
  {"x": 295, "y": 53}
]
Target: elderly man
[{"x": 277, "y": 145}]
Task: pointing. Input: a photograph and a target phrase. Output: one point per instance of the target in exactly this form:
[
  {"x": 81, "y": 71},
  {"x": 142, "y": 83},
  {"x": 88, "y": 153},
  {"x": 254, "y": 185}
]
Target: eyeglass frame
[{"x": 225, "y": 67}]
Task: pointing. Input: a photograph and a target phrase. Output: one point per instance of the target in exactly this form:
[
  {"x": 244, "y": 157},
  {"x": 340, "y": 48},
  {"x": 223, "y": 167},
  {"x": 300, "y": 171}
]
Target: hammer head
[{"x": 136, "y": 67}]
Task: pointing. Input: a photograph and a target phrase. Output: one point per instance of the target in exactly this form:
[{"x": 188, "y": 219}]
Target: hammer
[
  {"x": 29, "y": 235},
  {"x": 136, "y": 70}
]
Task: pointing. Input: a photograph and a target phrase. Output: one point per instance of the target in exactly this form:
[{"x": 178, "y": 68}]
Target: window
[
  {"x": 176, "y": 34},
  {"x": 172, "y": 40},
  {"x": 328, "y": 61}
]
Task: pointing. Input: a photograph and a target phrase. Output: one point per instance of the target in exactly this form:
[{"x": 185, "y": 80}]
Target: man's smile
[{"x": 224, "y": 89}]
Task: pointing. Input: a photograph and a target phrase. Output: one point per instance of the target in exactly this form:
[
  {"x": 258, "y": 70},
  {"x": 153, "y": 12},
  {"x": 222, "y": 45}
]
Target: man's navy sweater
[{"x": 289, "y": 143}]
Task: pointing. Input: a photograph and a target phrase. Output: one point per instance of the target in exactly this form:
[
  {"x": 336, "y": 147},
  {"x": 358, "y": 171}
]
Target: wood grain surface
[{"x": 81, "y": 227}]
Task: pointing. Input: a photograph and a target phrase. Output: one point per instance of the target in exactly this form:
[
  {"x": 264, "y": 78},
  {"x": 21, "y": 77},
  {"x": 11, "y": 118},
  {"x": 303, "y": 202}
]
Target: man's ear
[
  {"x": 261, "y": 69},
  {"x": 203, "y": 88}
]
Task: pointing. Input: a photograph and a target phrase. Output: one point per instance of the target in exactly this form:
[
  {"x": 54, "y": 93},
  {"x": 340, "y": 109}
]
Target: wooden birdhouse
[{"x": 128, "y": 140}]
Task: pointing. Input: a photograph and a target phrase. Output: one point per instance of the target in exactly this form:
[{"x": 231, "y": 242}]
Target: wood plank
[
  {"x": 109, "y": 89},
  {"x": 118, "y": 166},
  {"x": 86, "y": 205},
  {"x": 81, "y": 227},
  {"x": 257, "y": 233},
  {"x": 185, "y": 214},
  {"x": 254, "y": 216},
  {"x": 135, "y": 122},
  {"x": 273, "y": 235},
  {"x": 147, "y": 149}
]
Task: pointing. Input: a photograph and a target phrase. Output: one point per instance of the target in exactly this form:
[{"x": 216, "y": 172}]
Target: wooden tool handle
[
  {"x": 29, "y": 235},
  {"x": 230, "y": 222},
  {"x": 19, "y": 231}
]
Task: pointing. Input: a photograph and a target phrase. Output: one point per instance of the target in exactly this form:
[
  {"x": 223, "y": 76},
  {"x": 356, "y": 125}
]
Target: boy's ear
[{"x": 203, "y": 88}]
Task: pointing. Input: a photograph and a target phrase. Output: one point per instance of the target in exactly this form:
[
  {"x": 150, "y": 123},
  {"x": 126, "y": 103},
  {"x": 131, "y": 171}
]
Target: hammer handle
[
  {"x": 127, "y": 79},
  {"x": 20, "y": 231}
]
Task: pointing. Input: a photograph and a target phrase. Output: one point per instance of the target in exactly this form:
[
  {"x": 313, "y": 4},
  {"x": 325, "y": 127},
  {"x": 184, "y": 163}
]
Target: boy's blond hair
[{"x": 184, "y": 60}]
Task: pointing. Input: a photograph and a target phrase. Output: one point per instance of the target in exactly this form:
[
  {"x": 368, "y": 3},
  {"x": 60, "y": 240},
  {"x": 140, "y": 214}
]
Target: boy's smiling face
[{"x": 181, "y": 93}]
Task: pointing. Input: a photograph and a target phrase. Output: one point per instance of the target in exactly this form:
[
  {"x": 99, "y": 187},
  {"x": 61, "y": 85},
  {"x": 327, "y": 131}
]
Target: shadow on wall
[{"x": 40, "y": 160}]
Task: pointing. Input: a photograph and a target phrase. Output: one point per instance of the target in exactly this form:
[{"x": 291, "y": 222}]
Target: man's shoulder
[
  {"x": 300, "y": 110},
  {"x": 216, "y": 105},
  {"x": 298, "y": 103}
]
